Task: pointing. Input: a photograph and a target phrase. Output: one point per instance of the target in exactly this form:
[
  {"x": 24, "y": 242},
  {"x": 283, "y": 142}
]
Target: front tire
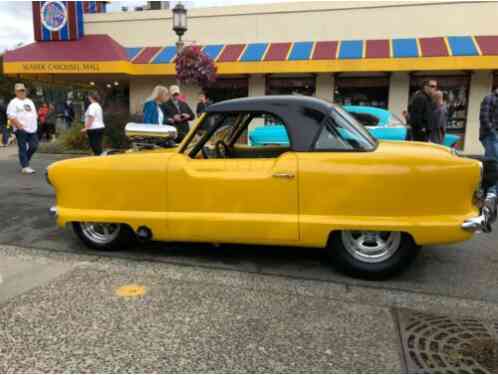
[
  {"x": 372, "y": 255},
  {"x": 104, "y": 236}
]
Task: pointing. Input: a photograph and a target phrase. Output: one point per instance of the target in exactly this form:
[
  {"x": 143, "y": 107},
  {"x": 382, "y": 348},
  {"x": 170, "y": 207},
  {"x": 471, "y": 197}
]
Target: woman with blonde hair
[{"x": 153, "y": 113}]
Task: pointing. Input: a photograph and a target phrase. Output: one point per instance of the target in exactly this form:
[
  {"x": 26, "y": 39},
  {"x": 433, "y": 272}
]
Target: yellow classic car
[{"x": 370, "y": 204}]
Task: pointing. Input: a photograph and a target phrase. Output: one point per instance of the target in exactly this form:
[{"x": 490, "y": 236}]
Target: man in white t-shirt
[{"x": 22, "y": 114}]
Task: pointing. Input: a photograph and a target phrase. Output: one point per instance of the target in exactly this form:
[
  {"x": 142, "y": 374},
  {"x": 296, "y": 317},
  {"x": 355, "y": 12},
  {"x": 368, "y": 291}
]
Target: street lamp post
[{"x": 179, "y": 24}]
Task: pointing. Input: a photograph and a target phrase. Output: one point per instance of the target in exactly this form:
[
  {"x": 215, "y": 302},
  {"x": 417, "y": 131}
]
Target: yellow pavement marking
[{"x": 131, "y": 290}]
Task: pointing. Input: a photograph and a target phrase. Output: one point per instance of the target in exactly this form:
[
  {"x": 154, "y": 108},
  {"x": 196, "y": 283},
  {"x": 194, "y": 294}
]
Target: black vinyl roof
[{"x": 302, "y": 115}]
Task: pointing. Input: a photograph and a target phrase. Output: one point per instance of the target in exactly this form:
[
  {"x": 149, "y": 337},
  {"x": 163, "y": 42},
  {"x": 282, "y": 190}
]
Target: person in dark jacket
[
  {"x": 420, "y": 111},
  {"x": 4, "y": 132},
  {"x": 178, "y": 113},
  {"x": 153, "y": 114},
  {"x": 202, "y": 104},
  {"x": 50, "y": 122},
  {"x": 68, "y": 113},
  {"x": 488, "y": 132},
  {"x": 440, "y": 120}
]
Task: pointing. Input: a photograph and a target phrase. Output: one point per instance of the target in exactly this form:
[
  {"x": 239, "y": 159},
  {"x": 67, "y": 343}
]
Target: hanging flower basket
[{"x": 195, "y": 67}]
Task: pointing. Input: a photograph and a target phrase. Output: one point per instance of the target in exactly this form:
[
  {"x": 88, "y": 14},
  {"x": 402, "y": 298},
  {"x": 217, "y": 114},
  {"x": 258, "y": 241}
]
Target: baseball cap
[
  {"x": 174, "y": 90},
  {"x": 19, "y": 87}
]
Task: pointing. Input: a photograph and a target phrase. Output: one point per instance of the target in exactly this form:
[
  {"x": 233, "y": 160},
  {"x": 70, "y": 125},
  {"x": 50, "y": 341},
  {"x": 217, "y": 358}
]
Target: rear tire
[
  {"x": 104, "y": 236},
  {"x": 371, "y": 255}
]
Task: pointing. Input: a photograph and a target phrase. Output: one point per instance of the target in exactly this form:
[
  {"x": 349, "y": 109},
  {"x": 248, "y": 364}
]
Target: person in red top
[{"x": 42, "y": 119}]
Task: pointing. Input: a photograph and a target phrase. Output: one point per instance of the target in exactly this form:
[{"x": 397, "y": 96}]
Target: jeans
[
  {"x": 490, "y": 143},
  {"x": 27, "y": 144},
  {"x": 5, "y": 134},
  {"x": 95, "y": 140}
]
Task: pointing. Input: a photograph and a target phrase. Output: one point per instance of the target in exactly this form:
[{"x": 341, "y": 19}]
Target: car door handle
[{"x": 287, "y": 175}]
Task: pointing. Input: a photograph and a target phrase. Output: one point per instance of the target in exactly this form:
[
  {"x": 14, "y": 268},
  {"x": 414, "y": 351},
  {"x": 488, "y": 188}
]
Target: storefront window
[
  {"x": 456, "y": 90},
  {"x": 495, "y": 81},
  {"x": 371, "y": 91},
  {"x": 290, "y": 85},
  {"x": 228, "y": 88}
]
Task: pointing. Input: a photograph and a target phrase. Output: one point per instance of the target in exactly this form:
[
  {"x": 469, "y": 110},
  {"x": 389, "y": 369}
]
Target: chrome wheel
[
  {"x": 100, "y": 233},
  {"x": 371, "y": 247}
]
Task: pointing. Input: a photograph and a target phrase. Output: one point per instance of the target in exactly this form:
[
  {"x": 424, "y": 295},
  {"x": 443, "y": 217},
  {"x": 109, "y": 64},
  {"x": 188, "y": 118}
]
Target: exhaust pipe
[{"x": 144, "y": 234}]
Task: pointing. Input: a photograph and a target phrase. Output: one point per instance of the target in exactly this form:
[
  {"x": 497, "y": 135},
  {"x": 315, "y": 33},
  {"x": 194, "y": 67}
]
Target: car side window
[
  {"x": 232, "y": 137},
  {"x": 264, "y": 130},
  {"x": 213, "y": 128},
  {"x": 331, "y": 140},
  {"x": 337, "y": 134},
  {"x": 366, "y": 119}
]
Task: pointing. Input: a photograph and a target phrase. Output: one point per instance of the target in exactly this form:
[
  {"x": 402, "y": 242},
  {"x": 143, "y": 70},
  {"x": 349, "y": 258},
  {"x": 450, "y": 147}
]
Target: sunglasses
[{"x": 433, "y": 86}]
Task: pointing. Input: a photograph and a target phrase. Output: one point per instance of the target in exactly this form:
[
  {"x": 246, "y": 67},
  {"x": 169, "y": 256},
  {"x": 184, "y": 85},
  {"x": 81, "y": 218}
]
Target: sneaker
[{"x": 28, "y": 170}]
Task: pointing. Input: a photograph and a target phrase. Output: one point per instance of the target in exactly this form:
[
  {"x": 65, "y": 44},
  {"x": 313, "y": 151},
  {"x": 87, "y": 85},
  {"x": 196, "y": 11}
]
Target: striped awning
[
  {"x": 398, "y": 54},
  {"x": 330, "y": 50}
]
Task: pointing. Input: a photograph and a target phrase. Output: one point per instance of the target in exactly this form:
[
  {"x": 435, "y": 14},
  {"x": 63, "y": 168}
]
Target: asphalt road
[
  {"x": 467, "y": 270},
  {"x": 200, "y": 308}
]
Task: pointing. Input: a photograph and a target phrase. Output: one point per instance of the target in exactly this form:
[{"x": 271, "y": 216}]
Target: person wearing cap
[
  {"x": 178, "y": 113},
  {"x": 22, "y": 114}
]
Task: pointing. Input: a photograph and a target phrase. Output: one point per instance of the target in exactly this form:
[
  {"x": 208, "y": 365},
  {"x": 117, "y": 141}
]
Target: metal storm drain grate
[{"x": 442, "y": 344}]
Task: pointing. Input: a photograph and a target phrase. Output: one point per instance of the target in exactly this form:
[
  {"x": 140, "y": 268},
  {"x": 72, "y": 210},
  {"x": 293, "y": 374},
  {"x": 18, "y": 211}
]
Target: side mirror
[{"x": 150, "y": 133}]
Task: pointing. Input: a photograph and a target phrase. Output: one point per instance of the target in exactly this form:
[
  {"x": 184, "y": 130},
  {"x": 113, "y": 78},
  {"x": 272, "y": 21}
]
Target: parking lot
[{"x": 278, "y": 309}]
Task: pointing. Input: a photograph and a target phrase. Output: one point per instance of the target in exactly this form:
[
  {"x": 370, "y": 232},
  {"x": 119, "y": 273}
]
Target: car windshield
[
  {"x": 345, "y": 120},
  {"x": 395, "y": 120}
]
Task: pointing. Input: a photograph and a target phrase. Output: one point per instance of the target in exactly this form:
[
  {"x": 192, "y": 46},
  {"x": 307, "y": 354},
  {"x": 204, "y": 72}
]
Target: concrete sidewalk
[
  {"x": 187, "y": 320},
  {"x": 8, "y": 152},
  {"x": 191, "y": 319}
]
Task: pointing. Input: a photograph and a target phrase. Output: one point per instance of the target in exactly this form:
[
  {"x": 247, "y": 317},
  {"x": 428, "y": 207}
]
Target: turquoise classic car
[{"x": 381, "y": 123}]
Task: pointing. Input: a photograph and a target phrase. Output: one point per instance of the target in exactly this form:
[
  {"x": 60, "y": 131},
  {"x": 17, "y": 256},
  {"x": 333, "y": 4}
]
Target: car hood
[{"x": 134, "y": 160}]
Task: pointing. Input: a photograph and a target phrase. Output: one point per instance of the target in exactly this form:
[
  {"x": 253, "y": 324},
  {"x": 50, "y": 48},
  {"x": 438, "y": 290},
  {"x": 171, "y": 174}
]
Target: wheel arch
[{"x": 336, "y": 232}]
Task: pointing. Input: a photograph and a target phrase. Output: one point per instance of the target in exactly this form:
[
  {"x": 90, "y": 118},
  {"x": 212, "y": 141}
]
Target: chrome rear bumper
[{"x": 483, "y": 222}]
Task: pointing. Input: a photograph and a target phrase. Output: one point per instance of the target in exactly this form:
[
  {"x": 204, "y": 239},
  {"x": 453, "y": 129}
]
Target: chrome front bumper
[{"x": 483, "y": 222}]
